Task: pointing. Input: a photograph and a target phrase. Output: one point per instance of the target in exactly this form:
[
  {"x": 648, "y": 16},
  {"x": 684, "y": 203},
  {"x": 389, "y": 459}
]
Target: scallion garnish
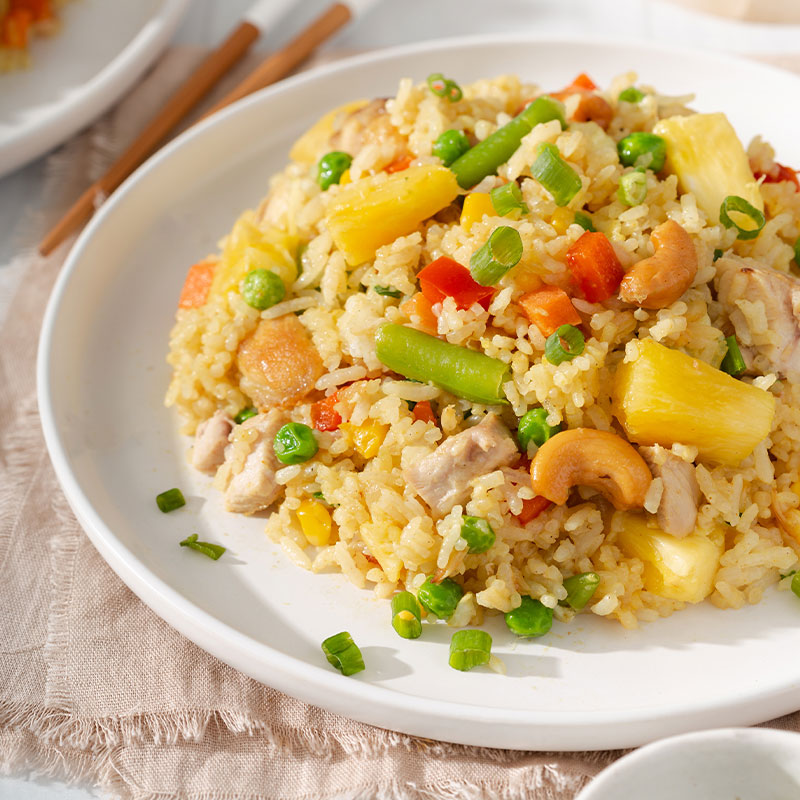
[
  {"x": 343, "y": 653},
  {"x": 319, "y": 496},
  {"x": 563, "y": 345},
  {"x": 244, "y": 414},
  {"x": 795, "y": 584},
  {"x": 501, "y": 252},
  {"x": 508, "y": 198},
  {"x": 738, "y": 205},
  {"x": 585, "y": 221},
  {"x": 717, "y": 254},
  {"x": 440, "y": 598},
  {"x": 387, "y": 291},
  {"x": 555, "y": 175},
  {"x": 406, "y": 615},
  {"x": 580, "y": 589},
  {"x": 170, "y": 500},
  {"x": 632, "y": 188},
  {"x": 733, "y": 363},
  {"x": 797, "y": 252},
  {"x": 470, "y": 648},
  {"x": 444, "y": 87},
  {"x": 530, "y": 618},
  {"x": 477, "y": 533},
  {"x": 213, "y": 551},
  {"x": 631, "y": 95}
]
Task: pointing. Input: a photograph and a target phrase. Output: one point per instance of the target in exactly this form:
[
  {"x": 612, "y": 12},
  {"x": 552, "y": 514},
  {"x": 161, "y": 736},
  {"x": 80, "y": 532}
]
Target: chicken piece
[
  {"x": 677, "y": 511},
  {"x": 371, "y": 125},
  {"x": 279, "y": 365},
  {"x": 210, "y": 442},
  {"x": 442, "y": 478},
  {"x": 252, "y": 486},
  {"x": 779, "y": 343}
]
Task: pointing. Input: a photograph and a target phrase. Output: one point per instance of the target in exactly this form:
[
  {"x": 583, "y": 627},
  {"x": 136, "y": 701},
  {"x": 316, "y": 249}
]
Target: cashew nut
[
  {"x": 593, "y": 108},
  {"x": 587, "y": 457},
  {"x": 660, "y": 280}
]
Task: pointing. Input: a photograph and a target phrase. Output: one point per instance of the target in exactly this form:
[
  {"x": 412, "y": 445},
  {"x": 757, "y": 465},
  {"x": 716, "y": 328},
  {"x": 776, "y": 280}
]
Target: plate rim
[{"x": 322, "y": 686}]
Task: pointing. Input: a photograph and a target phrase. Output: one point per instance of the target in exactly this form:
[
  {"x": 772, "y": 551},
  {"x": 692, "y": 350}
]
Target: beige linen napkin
[{"x": 94, "y": 687}]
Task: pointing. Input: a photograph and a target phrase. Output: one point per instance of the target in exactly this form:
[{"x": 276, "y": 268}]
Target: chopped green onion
[
  {"x": 631, "y": 95},
  {"x": 463, "y": 372},
  {"x": 387, "y": 291},
  {"x": 643, "y": 150},
  {"x": 502, "y": 251},
  {"x": 295, "y": 443},
  {"x": 470, "y": 648},
  {"x": 738, "y": 205},
  {"x": 406, "y": 615},
  {"x": 343, "y": 653},
  {"x": 632, "y": 188},
  {"x": 213, "y": 551},
  {"x": 331, "y": 167},
  {"x": 563, "y": 345},
  {"x": 555, "y": 175},
  {"x": 580, "y": 589},
  {"x": 262, "y": 288},
  {"x": 319, "y": 496},
  {"x": 485, "y": 157},
  {"x": 585, "y": 221},
  {"x": 444, "y": 87},
  {"x": 170, "y": 500},
  {"x": 530, "y": 618},
  {"x": 477, "y": 533},
  {"x": 450, "y": 145},
  {"x": 733, "y": 363},
  {"x": 533, "y": 427},
  {"x": 797, "y": 252},
  {"x": 244, "y": 414},
  {"x": 795, "y": 584},
  {"x": 440, "y": 598},
  {"x": 507, "y": 198},
  {"x": 717, "y": 254}
]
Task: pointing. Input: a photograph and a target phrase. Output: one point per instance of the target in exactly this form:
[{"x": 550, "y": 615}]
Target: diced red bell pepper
[
  {"x": 778, "y": 174},
  {"x": 531, "y": 509},
  {"x": 324, "y": 417},
  {"x": 447, "y": 278},
  {"x": 595, "y": 266},
  {"x": 424, "y": 412}
]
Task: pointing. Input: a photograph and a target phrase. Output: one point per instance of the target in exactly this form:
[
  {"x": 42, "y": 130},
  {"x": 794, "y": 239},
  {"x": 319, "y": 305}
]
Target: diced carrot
[
  {"x": 583, "y": 81},
  {"x": 549, "y": 308},
  {"x": 778, "y": 174},
  {"x": 324, "y": 417},
  {"x": 15, "y": 26},
  {"x": 197, "y": 284},
  {"x": 532, "y": 507},
  {"x": 595, "y": 266},
  {"x": 419, "y": 306},
  {"x": 400, "y": 164},
  {"x": 424, "y": 412}
]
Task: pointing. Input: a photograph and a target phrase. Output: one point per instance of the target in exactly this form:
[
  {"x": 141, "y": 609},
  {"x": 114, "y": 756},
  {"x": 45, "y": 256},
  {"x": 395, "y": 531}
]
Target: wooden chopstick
[{"x": 187, "y": 96}]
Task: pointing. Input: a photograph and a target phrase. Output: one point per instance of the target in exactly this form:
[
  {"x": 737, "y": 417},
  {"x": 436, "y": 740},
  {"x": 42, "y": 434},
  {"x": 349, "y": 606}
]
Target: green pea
[
  {"x": 450, "y": 145},
  {"x": 477, "y": 533},
  {"x": 331, "y": 167},
  {"x": 643, "y": 149},
  {"x": 295, "y": 443},
  {"x": 533, "y": 427},
  {"x": 440, "y": 598},
  {"x": 262, "y": 288},
  {"x": 530, "y": 618}
]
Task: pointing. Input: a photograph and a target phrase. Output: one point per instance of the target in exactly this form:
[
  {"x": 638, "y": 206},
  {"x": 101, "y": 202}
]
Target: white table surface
[{"x": 392, "y": 22}]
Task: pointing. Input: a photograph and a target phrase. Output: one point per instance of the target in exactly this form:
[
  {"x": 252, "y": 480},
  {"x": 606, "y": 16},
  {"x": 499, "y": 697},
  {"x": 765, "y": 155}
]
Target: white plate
[
  {"x": 741, "y": 763},
  {"x": 102, "y": 378},
  {"x": 100, "y": 51}
]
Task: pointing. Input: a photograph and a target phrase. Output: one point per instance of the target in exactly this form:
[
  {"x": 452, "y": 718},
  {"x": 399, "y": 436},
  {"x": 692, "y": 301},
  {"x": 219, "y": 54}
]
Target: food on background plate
[
  {"x": 19, "y": 20},
  {"x": 489, "y": 349}
]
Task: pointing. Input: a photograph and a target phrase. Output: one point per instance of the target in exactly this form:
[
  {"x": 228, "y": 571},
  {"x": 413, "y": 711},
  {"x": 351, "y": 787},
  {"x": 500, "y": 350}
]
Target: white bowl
[
  {"x": 728, "y": 764},
  {"x": 102, "y": 379}
]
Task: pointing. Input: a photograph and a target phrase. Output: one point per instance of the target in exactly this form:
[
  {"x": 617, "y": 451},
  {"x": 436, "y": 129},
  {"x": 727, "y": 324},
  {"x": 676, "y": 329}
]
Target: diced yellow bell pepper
[
  {"x": 705, "y": 153},
  {"x": 666, "y": 397},
  {"x": 315, "y": 520},
  {"x": 345, "y": 179},
  {"x": 314, "y": 143},
  {"x": 367, "y": 438},
  {"x": 248, "y": 248},
  {"x": 376, "y": 210},
  {"x": 679, "y": 569},
  {"x": 476, "y": 206},
  {"x": 561, "y": 220}
]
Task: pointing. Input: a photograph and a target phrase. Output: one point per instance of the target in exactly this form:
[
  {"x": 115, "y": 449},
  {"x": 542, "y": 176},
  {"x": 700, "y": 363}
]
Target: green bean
[
  {"x": 496, "y": 149},
  {"x": 463, "y": 372}
]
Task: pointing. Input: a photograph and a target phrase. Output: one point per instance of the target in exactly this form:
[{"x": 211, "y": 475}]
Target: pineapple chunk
[
  {"x": 315, "y": 142},
  {"x": 374, "y": 211},
  {"x": 664, "y": 397},
  {"x": 248, "y": 247},
  {"x": 705, "y": 153},
  {"x": 679, "y": 569}
]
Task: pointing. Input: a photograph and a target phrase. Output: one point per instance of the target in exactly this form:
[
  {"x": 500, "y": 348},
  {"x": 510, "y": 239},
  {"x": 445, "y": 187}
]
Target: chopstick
[{"x": 197, "y": 85}]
